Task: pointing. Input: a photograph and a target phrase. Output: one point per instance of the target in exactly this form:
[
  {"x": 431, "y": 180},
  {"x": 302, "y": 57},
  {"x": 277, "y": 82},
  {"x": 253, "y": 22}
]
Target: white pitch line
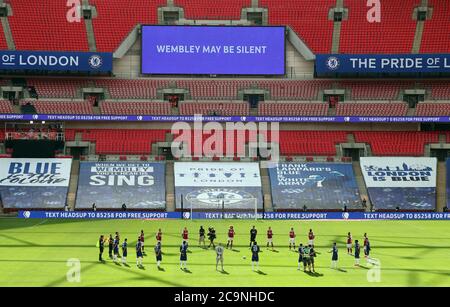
[{"x": 40, "y": 223}]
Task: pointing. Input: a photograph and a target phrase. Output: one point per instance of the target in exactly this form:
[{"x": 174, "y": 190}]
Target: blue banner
[
  {"x": 138, "y": 185},
  {"x": 235, "y": 215},
  {"x": 328, "y": 64},
  {"x": 206, "y": 185},
  {"x": 191, "y": 118},
  {"x": 404, "y": 182},
  {"x": 314, "y": 185},
  {"x": 448, "y": 182},
  {"x": 56, "y": 61},
  {"x": 34, "y": 183}
]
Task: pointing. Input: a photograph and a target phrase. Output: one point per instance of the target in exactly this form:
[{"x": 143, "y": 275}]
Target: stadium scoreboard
[{"x": 213, "y": 50}]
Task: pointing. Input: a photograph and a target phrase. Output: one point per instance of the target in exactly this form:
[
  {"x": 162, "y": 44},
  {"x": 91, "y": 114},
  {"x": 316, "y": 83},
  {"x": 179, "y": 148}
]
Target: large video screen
[{"x": 213, "y": 50}]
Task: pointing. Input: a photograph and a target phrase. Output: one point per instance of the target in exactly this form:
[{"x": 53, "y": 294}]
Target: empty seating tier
[
  {"x": 61, "y": 107},
  {"x": 220, "y": 108},
  {"x": 394, "y": 34},
  {"x": 135, "y": 108},
  {"x": 372, "y": 109},
  {"x": 43, "y": 25},
  {"x": 411, "y": 143},
  {"x": 284, "y": 108}
]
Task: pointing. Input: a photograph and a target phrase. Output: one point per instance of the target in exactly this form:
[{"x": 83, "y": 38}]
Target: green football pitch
[{"x": 39, "y": 253}]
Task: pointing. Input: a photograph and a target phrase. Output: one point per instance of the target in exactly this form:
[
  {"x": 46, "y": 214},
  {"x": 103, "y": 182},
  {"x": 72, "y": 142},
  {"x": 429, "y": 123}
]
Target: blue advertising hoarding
[
  {"x": 221, "y": 50},
  {"x": 138, "y": 185},
  {"x": 92, "y": 62},
  {"x": 314, "y": 185},
  {"x": 448, "y": 182},
  {"x": 191, "y": 118},
  {"x": 143, "y": 215},
  {"x": 330, "y": 64},
  {"x": 34, "y": 183}
]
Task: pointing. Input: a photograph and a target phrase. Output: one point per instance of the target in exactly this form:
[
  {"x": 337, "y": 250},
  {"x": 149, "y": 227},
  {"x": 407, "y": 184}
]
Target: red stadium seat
[{"x": 42, "y": 25}]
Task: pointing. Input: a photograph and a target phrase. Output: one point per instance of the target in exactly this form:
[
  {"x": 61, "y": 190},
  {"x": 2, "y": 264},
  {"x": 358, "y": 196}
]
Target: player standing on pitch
[
  {"x": 291, "y": 238},
  {"x": 159, "y": 236},
  {"x": 269, "y": 237},
  {"x": 306, "y": 258},
  {"x": 110, "y": 245},
  {"x": 116, "y": 248},
  {"x": 231, "y": 234},
  {"x": 301, "y": 258},
  {"x": 219, "y": 255},
  {"x": 312, "y": 255},
  {"x": 142, "y": 237},
  {"x": 139, "y": 252},
  {"x": 311, "y": 238},
  {"x": 253, "y": 233},
  {"x": 366, "y": 246},
  {"x": 185, "y": 235},
  {"x": 334, "y": 257},
  {"x": 124, "y": 251},
  {"x": 201, "y": 237},
  {"x": 255, "y": 255},
  {"x": 357, "y": 251},
  {"x": 349, "y": 244},
  {"x": 211, "y": 237},
  {"x": 117, "y": 237},
  {"x": 183, "y": 255},
  {"x": 158, "y": 253},
  {"x": 101, "y": 246}
]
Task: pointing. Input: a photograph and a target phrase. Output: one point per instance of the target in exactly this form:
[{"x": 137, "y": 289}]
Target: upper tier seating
[
  {"x": 61, "y": 107},
  {"x": 5, "y": 107},
  {"x": 214, "y": 10},
  {"x": 3, "y": 43},
  {"x": 435, "y": 37},
  {"x": 116, "y": 19},
  {"x": 42, "y": 25},
  {"x": 439, "y": 89},
  {"x": 58, "y": 88},
  {"x": 379, "y": 90},
  {"x": 309, "y": 19},
  {"x": 433, "y": 108},
  {"x": 222, "y": 108},
  {"x": 132, "y": 89},
  {"x": 135, "y": 108},
  {"x": 372, "y": 108},
  {"x": 394, "y": 34},
  {"x": 286, "y": 108}
]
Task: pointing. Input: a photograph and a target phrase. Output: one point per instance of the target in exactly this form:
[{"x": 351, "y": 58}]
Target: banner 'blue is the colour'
[{"x": 34, "y": 183}]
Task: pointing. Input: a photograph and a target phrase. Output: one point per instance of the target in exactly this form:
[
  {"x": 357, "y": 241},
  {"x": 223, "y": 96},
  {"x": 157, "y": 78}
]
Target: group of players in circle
[{"x": 306, "y": 252}]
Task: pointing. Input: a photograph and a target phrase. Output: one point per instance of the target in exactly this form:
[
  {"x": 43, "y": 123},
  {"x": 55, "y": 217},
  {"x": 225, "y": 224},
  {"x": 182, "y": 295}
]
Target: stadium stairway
[
  {"x": 441, "y": 197},
  {"x": 170, "y": 189},
  {"x": 73, "y": 185},
  {"x": 361, "y": 184},
  {"x": 267, "y": 194}
]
